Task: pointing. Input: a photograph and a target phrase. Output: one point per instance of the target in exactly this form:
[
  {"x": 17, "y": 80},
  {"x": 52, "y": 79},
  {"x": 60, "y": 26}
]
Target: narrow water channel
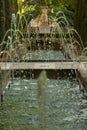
[{"x": 64, "y": 107}]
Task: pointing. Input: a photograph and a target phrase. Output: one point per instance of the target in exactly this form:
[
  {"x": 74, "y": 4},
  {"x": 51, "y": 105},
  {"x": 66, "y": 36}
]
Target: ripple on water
[{"x": 64, "y": 108}]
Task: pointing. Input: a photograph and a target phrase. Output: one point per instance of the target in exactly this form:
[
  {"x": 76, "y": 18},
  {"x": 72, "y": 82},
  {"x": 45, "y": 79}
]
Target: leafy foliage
[{"x": 54, "y": 6}]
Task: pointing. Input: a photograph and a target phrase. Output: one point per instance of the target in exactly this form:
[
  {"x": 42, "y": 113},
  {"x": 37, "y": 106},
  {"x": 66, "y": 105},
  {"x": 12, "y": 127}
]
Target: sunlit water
[{"x": 64, "y": 108}]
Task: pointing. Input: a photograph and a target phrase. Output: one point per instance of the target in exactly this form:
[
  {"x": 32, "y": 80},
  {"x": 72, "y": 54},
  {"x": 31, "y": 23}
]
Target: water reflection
[{"x": 65, "y": 108}]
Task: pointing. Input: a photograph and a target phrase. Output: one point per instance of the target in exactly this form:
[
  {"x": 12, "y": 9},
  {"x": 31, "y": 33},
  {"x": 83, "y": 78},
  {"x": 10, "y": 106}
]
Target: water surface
[
  {"x": 64, "y": 107},
  {"x": 44, "y": 55}
]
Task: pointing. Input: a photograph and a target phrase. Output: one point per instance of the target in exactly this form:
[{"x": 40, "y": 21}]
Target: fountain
[
  {"x": 43, "y": 101},
  {"x": 41, "y": 96},
  {"x": 12, "y": 48},
  {"x": 61, "y": 35},
  {"x": 13, "y": 41},
  {"x": 42, "y": 88},
  {"x": 47, "y": 45}
]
